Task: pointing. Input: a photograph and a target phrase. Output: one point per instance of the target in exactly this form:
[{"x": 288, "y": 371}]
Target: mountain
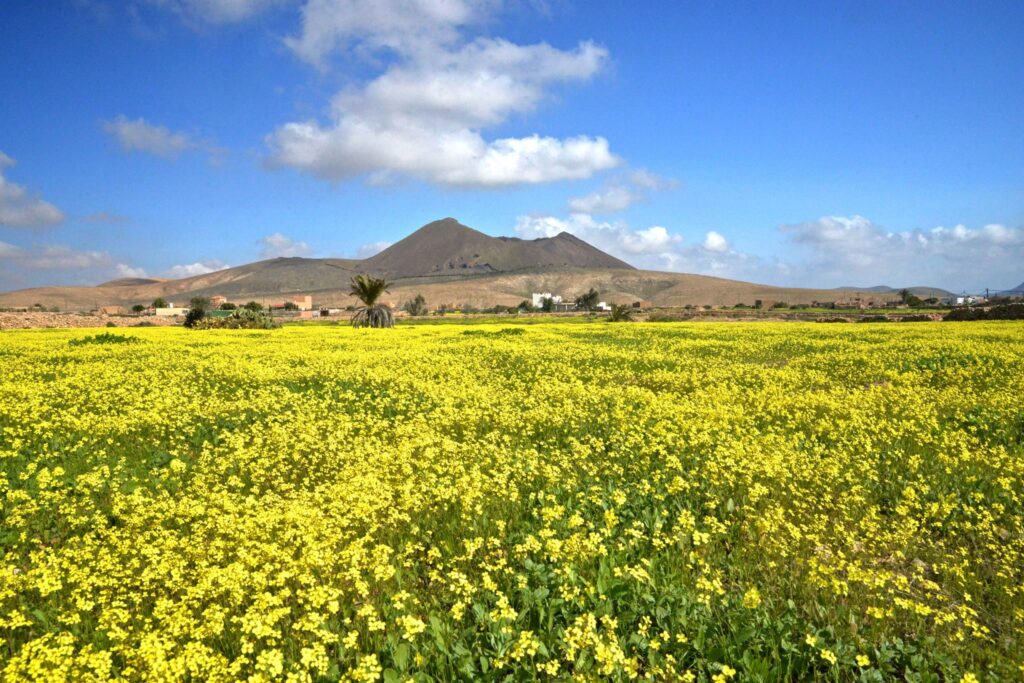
[
  {"x": 919, "y": 291},
  {"x": 446, "y": 262},
  {"x": 1013, "y": 291},
  {"x": 447, "y": 247}
]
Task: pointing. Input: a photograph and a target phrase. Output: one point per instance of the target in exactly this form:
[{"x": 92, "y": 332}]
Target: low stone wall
[{"x": 26, "y": 321}]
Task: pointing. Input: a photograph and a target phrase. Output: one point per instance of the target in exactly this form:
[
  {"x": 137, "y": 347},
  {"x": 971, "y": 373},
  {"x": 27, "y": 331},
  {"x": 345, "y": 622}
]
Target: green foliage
[
  {"x": 291, "y": 306},
  {"x": 240, "y": 319},
  {"x": 159, "y": 302},
  {"x": 138, "y": 308},
  {"x": 368, "y": 290},
  {"x": 586, "y": 302},
  {"x": 199, "y": 303},
  {"x": 620, "y": 313},
  {"x": 416, "y": 306},
  {"x": 228, "y": 306},
  {"x": 103, "y": 338},
  {"x": 547, "y": 304},
  {"x": 1001, "y": 312},
  {"x": 254, "y": 306}
]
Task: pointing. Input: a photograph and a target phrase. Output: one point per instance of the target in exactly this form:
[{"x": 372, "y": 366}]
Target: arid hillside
[{"x": 448, "y": 263}]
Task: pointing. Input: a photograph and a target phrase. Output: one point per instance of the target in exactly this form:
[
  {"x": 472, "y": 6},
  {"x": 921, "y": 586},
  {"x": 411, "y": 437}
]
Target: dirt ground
[{"x": 24, "y": 321}]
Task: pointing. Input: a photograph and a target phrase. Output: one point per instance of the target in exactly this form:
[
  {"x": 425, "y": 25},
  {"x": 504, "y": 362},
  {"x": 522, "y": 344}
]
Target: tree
[
  {"x": 253, "y": 306},
  {"x": 228, "y": 306},
  {"x": 526, "y": 305},
  {"x": 159, "y": 302},
  {"x": 547, "y": 304},
  {"x": 621, "y": 313},
  {"x": 586, "y": 302},
  {"x": 368, "y": 290},
  {"x": 138, "y": 308},
  {"x": 201, "y": 303},
  {"x": 417, "y": 306},
  {"x": 291, "y": 306}
]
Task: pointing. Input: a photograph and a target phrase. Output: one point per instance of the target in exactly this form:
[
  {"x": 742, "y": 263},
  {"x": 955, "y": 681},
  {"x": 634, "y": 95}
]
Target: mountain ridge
[{"x": 449, "y": 263}]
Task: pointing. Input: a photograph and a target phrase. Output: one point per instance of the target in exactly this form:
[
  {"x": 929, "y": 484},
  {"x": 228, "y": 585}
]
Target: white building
[
  {"x": 602, "y": 306},
  {"x": 171, "y": 311},
  {"x": 538, "y": 299}
]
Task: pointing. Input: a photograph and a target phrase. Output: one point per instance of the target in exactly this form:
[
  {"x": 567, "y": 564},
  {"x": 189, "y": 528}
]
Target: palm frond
[{"x": 367, "y": 288}]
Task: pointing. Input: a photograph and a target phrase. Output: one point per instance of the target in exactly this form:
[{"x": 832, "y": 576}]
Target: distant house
[
  {"x": 538, "y": 298},
  {"x": 112, "y": 310},
  {"x": 217, "y": 300},
  {"x": 642, "y": 304},
  {"x": 170, "y": 311},
  {"x": 304, "y": 302}
]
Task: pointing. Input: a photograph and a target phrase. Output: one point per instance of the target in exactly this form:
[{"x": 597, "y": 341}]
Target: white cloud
[
  {"x": 619, "y": 193},
  {"x": 53, "y": 257},
  {"x": 193, "y": 269},
  {"x": 124, "y": 270},
  {"x": 853, "y": 250},
  {"x": 398, "y": 25},
  {"x": 8, "y": 251},
  {"x": 19, "y": 208},
  {"x": 218, "y": 11},
  {"x": 371, "y": 249},
  {"x": 653, "y": 248},
  {"x": 139, "y": 135},
  {"x": 279, "y": 245},
  {"x": 423, "y": 115},
  {"x": 713, "y": 241}
]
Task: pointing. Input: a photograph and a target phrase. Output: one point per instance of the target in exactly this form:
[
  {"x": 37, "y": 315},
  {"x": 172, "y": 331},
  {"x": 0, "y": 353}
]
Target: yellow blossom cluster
[{"x": 714, "y": 502}]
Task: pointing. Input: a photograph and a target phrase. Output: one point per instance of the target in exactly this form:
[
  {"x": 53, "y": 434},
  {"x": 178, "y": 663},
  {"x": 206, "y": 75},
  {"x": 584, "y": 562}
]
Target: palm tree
[
  {"x": 371, "y": 314},
  {"x": 587, "y": 301},
  {"x": 620, "y": 313}
]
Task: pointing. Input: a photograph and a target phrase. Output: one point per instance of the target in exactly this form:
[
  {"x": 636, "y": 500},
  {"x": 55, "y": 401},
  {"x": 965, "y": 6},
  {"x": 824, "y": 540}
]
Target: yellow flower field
[{"x": 692, "y": 502}]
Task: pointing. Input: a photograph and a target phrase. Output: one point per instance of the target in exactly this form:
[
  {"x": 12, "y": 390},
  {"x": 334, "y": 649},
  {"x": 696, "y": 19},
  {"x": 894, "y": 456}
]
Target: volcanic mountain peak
[{"x": 446, "y": 247}]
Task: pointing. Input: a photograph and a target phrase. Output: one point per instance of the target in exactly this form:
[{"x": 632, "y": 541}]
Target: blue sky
[{"x": 815, "y": 144}]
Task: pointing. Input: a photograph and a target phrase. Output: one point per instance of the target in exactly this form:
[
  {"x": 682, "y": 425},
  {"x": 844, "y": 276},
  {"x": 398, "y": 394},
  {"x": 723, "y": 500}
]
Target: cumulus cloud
[
  {"x": 18, "y": 208},
  {"x": 423, "y": 116},
  {"x": 54, "y": 257},
  {"x": 278, "y": 245},
  {"x": 124, "y": 270},
  {"x": 853, "y": 250},
  {"x": 713, "y": 241},
  {"x": 653, "y": 248},
  {"x": 619, "y": 193},
  {"x": 139, "y": 135},
  {"x": 398, "y": 25},
  {"x": 194, "y": 269}
]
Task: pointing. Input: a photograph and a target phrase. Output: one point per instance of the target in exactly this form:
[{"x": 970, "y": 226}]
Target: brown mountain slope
[
  {"x": 446, "y": 247},
  {"x": 448, "y": 263}
]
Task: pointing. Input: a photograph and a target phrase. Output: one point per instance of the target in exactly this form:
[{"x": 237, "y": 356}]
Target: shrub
[
  {"x": 874, "y": 319},
  {"x": 103, "y": 338},
  {"x": 417, "y": 306},
  {"x": 1001, "y": 312},
  {"x": 621, "y": 313},
  {"x": 919, "y": 318},
  {"x": 240, "y": 319}
]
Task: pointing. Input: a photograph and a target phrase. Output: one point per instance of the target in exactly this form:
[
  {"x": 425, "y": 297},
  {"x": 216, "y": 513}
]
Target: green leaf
[{"x": 402, "y": 656}]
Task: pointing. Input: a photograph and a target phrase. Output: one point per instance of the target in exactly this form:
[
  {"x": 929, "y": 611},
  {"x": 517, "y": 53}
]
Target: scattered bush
[
  {"x": 833, "y": 320},
  {"x": 415, "y": 307},
  {"x": 621, "y": 313},
  {"x": 874, "y": 319},
  {"x": 103, "y": 338},
  {"x": 1002, "y": 312},
  {"x": 919, "y": 318},
  {"x": 240, "y": 319}
]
